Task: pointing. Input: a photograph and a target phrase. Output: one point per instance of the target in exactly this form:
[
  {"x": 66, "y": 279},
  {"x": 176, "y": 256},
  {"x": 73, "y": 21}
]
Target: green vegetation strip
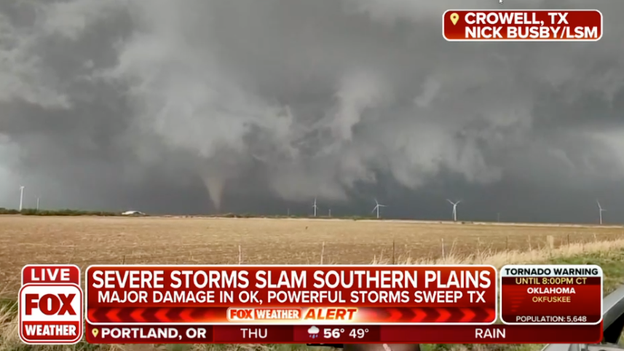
[
  {"x": 70, "y": 212},
  {"x": 611, "y": 263},
  {"x": 64, "y": 212}
]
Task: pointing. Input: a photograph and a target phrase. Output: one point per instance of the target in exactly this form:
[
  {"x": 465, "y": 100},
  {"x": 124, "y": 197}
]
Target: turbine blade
[{"x": 450, "y": 202}]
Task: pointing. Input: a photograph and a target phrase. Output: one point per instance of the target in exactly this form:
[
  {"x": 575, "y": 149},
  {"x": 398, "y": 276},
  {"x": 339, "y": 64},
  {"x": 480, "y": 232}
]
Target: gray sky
[{"x": 261, "y": 105}]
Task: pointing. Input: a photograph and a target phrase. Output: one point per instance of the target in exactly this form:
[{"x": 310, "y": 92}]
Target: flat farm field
[{"x": 201, "y": 240}]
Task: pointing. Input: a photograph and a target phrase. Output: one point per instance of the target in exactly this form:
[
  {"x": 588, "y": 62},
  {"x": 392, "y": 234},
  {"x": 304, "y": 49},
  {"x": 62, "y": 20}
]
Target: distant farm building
[{"x": 133, "y": 213}]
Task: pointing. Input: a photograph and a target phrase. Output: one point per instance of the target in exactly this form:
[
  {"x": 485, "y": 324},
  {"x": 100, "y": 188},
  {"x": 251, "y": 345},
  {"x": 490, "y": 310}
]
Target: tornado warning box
[
  {"x": 551, "y": 294},
  {"x": 51, "y": 305}
]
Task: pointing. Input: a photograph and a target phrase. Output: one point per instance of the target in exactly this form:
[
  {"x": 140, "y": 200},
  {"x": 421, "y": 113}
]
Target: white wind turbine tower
[
  {"x": 600, "y": 210},
  {"x": 454, "y": 208},
  {"x": 377, "y": 207},
  {"x": 21, "y": 197},
  {"x": 315, "y": 207}
]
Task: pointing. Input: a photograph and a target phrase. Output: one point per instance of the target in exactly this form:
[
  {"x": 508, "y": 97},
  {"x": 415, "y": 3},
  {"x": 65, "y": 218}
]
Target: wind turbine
[
  {"x": 454, "y": 208},
  {"x": 377, "y": 207},
  {"x": 600, "y": 210},
  {"x": 329, "y": 212},
  {"x": 38, "y": 198},
  {"x": 314, "y": 207},
  {"x": 21, "y": 197}
]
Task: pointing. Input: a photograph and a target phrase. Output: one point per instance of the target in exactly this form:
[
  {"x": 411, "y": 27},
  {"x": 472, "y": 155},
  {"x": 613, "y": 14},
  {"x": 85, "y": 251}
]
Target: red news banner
[
  {"x": 291, "y": 294},
  {"x": 283, "y": 303},
  {"x": 305, "y": 304},
  {"x": 522, "y": 25},
  {"x": 551, "y": 294}
]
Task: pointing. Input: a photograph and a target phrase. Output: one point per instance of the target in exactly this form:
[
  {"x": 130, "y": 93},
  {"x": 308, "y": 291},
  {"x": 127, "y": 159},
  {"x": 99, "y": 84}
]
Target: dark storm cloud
[{"x": 259, "y": 106}]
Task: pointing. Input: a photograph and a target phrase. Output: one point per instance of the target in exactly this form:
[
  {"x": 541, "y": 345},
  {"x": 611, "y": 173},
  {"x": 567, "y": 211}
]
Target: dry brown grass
[
  {"x": 159, "y": 240},
  {"x": 9, "y": 339},
  {"x": 86, "y": 241}
]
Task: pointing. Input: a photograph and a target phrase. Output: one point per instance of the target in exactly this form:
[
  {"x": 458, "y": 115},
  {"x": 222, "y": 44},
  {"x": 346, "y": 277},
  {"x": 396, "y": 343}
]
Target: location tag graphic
[
  {"x": 95, "y": 332},
  {"x": 454, "y": 18}
]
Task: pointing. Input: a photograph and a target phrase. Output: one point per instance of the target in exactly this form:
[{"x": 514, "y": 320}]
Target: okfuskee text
[{"x": 295, "y": 285}]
